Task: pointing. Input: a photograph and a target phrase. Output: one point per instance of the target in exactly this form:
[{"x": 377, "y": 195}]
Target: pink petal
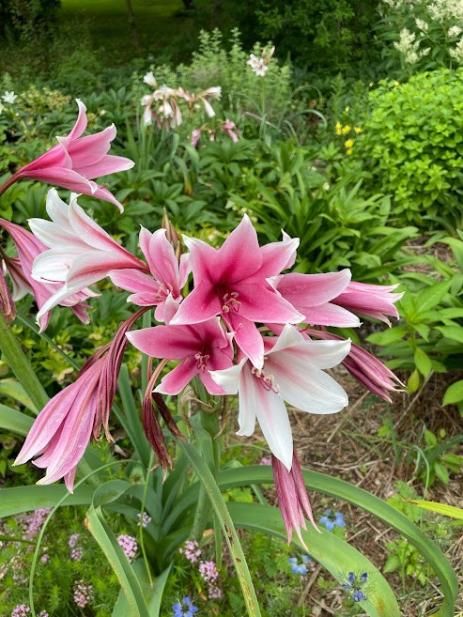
[
  {"x": 248, "y": 339},
  {"x": 200, "y": 305},
  {"x": 169, "y": 342},
  {"x": 134, "y": 281},
  {"x": 85, "y": 151},
  {"x": 109, "y": 164},
  {"x": 278, "y": 256},
  {"x": 308, "y": 290},
  {"x": 240, "y": 255},
  {"x": 81, "y": 122},
  {"x": 331, "y": 315},
  {"x": 260, "y": 303},
  {"x": 175, "y": 381}
]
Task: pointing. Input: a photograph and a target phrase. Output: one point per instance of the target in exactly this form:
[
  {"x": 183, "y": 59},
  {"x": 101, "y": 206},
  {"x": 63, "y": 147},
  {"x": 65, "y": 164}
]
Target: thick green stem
[{"x": 20, "y": 365}]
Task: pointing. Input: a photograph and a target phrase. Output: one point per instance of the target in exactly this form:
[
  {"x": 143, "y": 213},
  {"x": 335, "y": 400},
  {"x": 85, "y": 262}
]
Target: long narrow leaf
[
  {"x": 14, "y": 421},
  {"x": 153, "y": 595},
  {"x": 229, "y": 531},
  {"x": 439, "y": 508},
  {"x": 126, "y": 575},
  {"x": 27, "y": 498},
  {"x": 333, "y": 553}
]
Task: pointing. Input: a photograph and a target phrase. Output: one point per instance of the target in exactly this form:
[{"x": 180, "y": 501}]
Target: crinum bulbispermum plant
[{"x": 234, "y": 319}]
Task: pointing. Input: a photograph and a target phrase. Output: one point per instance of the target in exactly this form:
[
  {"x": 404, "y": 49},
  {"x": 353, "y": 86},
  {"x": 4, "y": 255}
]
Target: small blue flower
[
  {"x": 185, "y": 608},
  {"x": 354, "y": 584},
  {"x": 300, "y": 568},
  {"x": 332, "y": 519}
]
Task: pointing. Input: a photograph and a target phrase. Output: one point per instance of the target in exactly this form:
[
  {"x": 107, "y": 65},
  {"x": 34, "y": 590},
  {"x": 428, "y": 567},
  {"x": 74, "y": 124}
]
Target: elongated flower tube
[
  {"x": 62, "y": 431},
  {"x": 76, "y": 252},
  {"x": 233, "y": 282},
  {"x": 313, "y": 296},
  {"x": 374, "y": 301},
  {"x": 293, "y": 499},
  {"x": 7, "y": 305},
  {"x": 75, "y": 161},
  {"x": 294, "y": 372},
  {"x": 365, "y": 367},
  {"x": 20, "y": 269}
]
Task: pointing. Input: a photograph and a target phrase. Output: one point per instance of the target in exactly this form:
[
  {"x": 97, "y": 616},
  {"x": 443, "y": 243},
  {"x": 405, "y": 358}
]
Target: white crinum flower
[{"x": 150, "y": 79}]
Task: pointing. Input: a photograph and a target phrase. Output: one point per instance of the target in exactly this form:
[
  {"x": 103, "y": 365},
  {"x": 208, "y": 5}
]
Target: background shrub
[{"x": 412, "y": 143}]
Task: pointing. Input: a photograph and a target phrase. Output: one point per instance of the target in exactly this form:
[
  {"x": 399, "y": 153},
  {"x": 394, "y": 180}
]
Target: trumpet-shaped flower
[
  {"x": 75, "y": 161},
  {"x": 375, "y": 301},
  {"x": 79, "y": 251},
  {"x": 20, "y": 269},
  {"x": 201, "y": 348},
  {"x": 293, "y": 499},
  {"x": 365, "y": 367},
  {"x": 313, "y": 296},
  {"x": 293, "y": 371},
  {"x": 168, "y": 275},
  {"x": 61, "y": 432},
  {"x": 233, "y": 282}
]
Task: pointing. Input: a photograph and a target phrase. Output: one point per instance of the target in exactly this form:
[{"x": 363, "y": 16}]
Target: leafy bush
[{"x": 412, "y": 142}]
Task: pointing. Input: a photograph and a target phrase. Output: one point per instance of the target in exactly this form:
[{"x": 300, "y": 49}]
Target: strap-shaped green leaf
[
  {"x": 339, "y": 489},
  {"x": 153, "y": 595},
  {"x": 14, "y": 421},
  {"x": 226, "y": 523},
  {"x": 333, "y": 553},
  {"x": 27, "y": 498},
  {"x": 126, "y": 575}
]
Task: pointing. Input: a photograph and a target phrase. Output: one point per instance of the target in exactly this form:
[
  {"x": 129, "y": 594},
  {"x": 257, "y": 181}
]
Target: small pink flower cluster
[
  {"x": 210, "y": 575},
  {"x": 191, "y": 551},
  {"x": 144, "y": 519},
  {"x": 129, "y": 545},
  {"x": 83, "y": 594},
  {"x": 207, "y": 569},
  {"x": 21, "y": 610},
  {"x": 32, "y": 522},
  {"x": 76, "y": 553}
]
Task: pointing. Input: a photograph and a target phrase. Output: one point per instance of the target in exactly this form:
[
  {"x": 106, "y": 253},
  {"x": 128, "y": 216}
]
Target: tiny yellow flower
[
  {"x": 349, "y": 144},
  {"x": 338, "y": 128},
  {"x": 349, "y": 151},
  {"x": 358, "y": 130},
  {"x": 346, "y": 129}
]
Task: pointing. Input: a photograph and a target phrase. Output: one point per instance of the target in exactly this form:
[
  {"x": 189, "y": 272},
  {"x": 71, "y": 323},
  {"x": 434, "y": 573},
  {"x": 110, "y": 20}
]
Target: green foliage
[{"x": 412, "y": 143}]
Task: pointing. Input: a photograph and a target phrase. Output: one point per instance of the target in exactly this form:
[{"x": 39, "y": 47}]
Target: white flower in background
[
  {"x": 150, "y": 80},
  {"x": 421, "y": 24},
  {"x": 454, "y": 31},
  {"x": 9, "y": 97},
  {"x": 259, "y": 64},
  {"x": 440, "y": 10},
  {"x": 457, "y": 52},
  {"x": 409, "y": 47}
]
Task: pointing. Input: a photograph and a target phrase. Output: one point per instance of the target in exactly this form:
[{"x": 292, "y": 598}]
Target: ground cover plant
[{"x": 256, "y": 248}]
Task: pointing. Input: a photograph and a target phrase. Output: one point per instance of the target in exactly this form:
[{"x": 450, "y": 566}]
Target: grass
[{"x": 161, "y": 28}]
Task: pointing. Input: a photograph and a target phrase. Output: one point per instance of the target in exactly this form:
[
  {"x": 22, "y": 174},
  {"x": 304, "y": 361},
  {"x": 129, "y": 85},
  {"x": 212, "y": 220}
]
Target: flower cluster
[
  {"x": 409, "y": 46},
  {"x": 330, "y": 520},
  {"x": 260, "y": 64},
  {"x": 232, "y": 317},
  {"x": 144, "y": 519},
  {"x": 163, "y": 105},
  {"x": 129, "y": 545},
  {"x": 210, "y": 575},
  {"x": 82, "y": 594},
  {"x": 191, "y": 551},
  {"x": 300, "y": 567},
  {"x": 354, "y": 586},
  {"x": 32, "y": 522},
  {"x": 184, "y": 608}
]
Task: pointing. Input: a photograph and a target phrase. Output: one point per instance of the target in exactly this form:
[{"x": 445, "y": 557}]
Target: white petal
[
  {"x": 229, "y": 378},
  {"x": 304, "y": 386},
  {"x": 273, "y": 419},
  {"x": 289, "y": 337}
]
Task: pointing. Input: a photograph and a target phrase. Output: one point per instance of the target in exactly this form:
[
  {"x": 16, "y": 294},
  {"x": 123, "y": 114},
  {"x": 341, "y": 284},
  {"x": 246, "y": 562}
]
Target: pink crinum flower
[
  {"x": 79, "y": 251},
  {"x": 75, "y": 161},
  {"x": 293, "y": 371},
  {"x": 373, "y": 301},
  {"x": 233, "y": 282},
  {"x": 167, "y": 276},
  {"x": 20, "y": 269},
  {"x": 201, "y": 348}
]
